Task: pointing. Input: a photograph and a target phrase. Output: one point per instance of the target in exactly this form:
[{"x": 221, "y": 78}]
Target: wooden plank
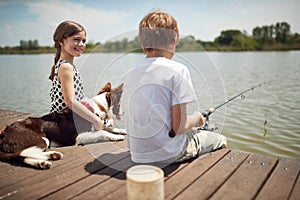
[
  {"x": 10, "y": 113},
  {"x": 176, "y": 184},
  {"x": 98, "y": 171},
  {"x": 120, "y": 194},
  {"x": 56, "y": 175},
  {"x": 94, "y": 169},
  {"x": 205, "y": 186},
  {"x": 7, "y": 117},
  {"x": 5, "y": 168},
  {"x": 50, "y": 177},
  {"x": 22, "y": 172},
  {"x": 105, "y": 181},
  {"x": 169, "y": 171},
  {"x": 247, "y": 179},
  {"x": 17, "y": 165},
  {"x": 282, "y": 180},
  {"x": 296, "y": 189},
  {"x": 105, "y": 188},
  {"x": 21, "y": 178}
]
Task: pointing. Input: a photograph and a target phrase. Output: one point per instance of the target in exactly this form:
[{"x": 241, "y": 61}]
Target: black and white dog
[{"x": 28, "y": 139}]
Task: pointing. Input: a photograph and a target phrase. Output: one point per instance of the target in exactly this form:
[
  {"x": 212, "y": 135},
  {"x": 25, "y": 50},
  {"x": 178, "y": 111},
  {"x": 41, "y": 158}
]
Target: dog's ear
[
  {"x": 105, "y": 88},
  {"x": 120, "y": 87}
]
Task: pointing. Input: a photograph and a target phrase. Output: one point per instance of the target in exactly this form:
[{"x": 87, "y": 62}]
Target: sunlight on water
[{"x": 266, "y": 121}]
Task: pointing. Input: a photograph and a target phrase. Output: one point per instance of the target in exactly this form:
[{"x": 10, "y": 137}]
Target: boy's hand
[{"x": 202, "y": 120}]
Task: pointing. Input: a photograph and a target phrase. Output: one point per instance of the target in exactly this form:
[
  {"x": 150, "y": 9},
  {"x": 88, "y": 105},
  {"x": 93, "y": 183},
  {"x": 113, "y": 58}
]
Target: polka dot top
[{"x": 57, "y": 99}]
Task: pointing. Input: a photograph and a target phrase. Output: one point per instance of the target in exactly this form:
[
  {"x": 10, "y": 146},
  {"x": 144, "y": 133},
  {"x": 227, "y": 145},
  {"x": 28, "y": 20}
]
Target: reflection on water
[{"x": 265, "y": 121}]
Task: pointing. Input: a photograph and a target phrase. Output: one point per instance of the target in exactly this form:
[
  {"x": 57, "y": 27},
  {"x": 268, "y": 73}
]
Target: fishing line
[{"x": 211, "y": 110}]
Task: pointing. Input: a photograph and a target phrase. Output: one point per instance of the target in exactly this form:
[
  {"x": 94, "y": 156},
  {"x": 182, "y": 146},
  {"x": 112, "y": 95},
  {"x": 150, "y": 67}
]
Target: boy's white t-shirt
[{"x": 151, "y": 88}]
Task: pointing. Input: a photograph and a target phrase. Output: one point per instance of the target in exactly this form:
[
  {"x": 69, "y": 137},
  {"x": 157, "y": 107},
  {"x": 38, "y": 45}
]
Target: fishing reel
[{"x": 207, "y": 126}]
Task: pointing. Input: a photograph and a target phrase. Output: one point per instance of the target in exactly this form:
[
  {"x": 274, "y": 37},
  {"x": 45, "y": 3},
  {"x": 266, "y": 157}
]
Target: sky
[{"x": 106, "y": 20}]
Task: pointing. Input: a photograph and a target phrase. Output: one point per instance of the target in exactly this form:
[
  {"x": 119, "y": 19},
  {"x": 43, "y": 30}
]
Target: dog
[
  {"x": 28, "y": 139},
  {"x": 107, "y": 106}
]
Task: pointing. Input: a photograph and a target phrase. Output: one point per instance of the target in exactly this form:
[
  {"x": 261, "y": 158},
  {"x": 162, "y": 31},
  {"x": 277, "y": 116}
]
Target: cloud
[
  {"x": 54, "y": 11},
  {"x": 100, "y": 24}
]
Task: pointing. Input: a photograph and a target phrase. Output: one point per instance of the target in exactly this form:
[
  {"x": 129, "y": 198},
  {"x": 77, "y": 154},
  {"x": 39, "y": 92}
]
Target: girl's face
[{"x": 74, "y": 45}]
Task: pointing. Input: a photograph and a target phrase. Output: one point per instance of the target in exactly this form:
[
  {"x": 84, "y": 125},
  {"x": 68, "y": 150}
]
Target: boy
[{"x": 155, "y": 95}]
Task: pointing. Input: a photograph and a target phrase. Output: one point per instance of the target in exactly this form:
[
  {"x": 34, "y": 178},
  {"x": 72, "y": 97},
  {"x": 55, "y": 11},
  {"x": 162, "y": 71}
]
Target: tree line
[
  {"x": 268, "y": 37},
  {"x": 273, "y": 37}
]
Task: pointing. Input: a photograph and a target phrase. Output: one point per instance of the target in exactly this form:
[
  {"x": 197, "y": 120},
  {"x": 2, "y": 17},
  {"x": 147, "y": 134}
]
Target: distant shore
[
  {"x": 275, "y": 37},
  {"x": 48, "y": 50}
]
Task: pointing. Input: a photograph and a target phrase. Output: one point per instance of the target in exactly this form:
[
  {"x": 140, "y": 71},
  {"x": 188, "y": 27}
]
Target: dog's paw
[
  {"x": 116, "y": 137},
  {"x": 120, "y": 138},
  {"x": 55, "y": 155},
  {"x": 119, "y": 131},
  {"x": 44, "y": 164}
]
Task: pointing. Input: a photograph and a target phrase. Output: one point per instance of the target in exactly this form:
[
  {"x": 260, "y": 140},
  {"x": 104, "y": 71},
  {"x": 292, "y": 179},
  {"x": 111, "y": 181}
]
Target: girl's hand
[{"x": 98, "y": 124}]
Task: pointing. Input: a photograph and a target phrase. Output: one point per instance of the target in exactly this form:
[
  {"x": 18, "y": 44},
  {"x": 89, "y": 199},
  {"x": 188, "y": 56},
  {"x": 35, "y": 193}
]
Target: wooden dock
[{"x": 97, "y": 171}]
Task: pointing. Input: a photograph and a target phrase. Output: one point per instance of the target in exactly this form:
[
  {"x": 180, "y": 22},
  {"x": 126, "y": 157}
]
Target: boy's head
[{"x": 158, "y": 30}]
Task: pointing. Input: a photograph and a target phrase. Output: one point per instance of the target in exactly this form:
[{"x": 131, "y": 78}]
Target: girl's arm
[
  {"x": 66, "y": 75},
  {"x": 181, "y": 122}
]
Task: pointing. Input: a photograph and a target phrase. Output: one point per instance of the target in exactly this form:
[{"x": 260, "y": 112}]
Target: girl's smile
[{"x": 74, "y": 45}]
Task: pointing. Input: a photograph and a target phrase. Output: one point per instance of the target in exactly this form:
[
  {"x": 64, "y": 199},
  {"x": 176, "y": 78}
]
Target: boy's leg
[
  {"x": 209, "y": 141},
  {"x": 201, "y": 142}
]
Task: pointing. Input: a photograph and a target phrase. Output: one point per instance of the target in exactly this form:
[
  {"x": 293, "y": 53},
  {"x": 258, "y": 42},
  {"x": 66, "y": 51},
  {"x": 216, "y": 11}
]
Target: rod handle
[{"x": 208, "y": 112}]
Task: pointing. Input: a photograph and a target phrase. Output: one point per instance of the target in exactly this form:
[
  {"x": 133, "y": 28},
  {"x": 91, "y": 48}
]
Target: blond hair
[{"x": 158, "y": 30}]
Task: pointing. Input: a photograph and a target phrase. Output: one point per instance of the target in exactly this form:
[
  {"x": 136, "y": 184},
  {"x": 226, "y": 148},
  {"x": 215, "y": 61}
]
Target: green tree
[
  {"x": 235, "y": 39},
  {"x": 29, "y": 45},
  {"x": 282, "y": 32},
  {"x": 263, "y": 35},
  {"x": 34, "y": 44},
  {"x": 229, "y": 37},
  {"x": 268, "y": 35},
  {"x": 23, "y": 44}
]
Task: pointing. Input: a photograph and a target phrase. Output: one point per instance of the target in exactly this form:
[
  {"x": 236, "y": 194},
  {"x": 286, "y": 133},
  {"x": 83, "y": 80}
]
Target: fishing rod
[
  {"x": 208, "y": 112},
  {"x": 211, "y": 110}
]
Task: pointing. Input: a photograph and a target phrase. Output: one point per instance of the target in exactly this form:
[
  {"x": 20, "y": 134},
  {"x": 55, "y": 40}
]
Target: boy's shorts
[{"x": 200, "y": 142}]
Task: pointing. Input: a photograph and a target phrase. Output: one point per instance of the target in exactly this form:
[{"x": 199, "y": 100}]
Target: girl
[{"x": 67, "y": 90}]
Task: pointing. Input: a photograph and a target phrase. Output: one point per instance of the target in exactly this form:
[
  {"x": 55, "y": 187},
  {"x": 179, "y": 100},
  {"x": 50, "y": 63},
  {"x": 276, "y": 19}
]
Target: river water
[{"x": 265, "y": 120}]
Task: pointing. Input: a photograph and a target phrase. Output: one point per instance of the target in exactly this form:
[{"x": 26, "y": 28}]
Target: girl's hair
[
  {"x": 157, "y": 30},
  {"x": 63, "y": 31}
]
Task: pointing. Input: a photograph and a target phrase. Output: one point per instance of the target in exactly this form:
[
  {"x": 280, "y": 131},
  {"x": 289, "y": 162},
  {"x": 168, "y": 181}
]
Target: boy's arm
[{"x": 181, "y": 122}]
